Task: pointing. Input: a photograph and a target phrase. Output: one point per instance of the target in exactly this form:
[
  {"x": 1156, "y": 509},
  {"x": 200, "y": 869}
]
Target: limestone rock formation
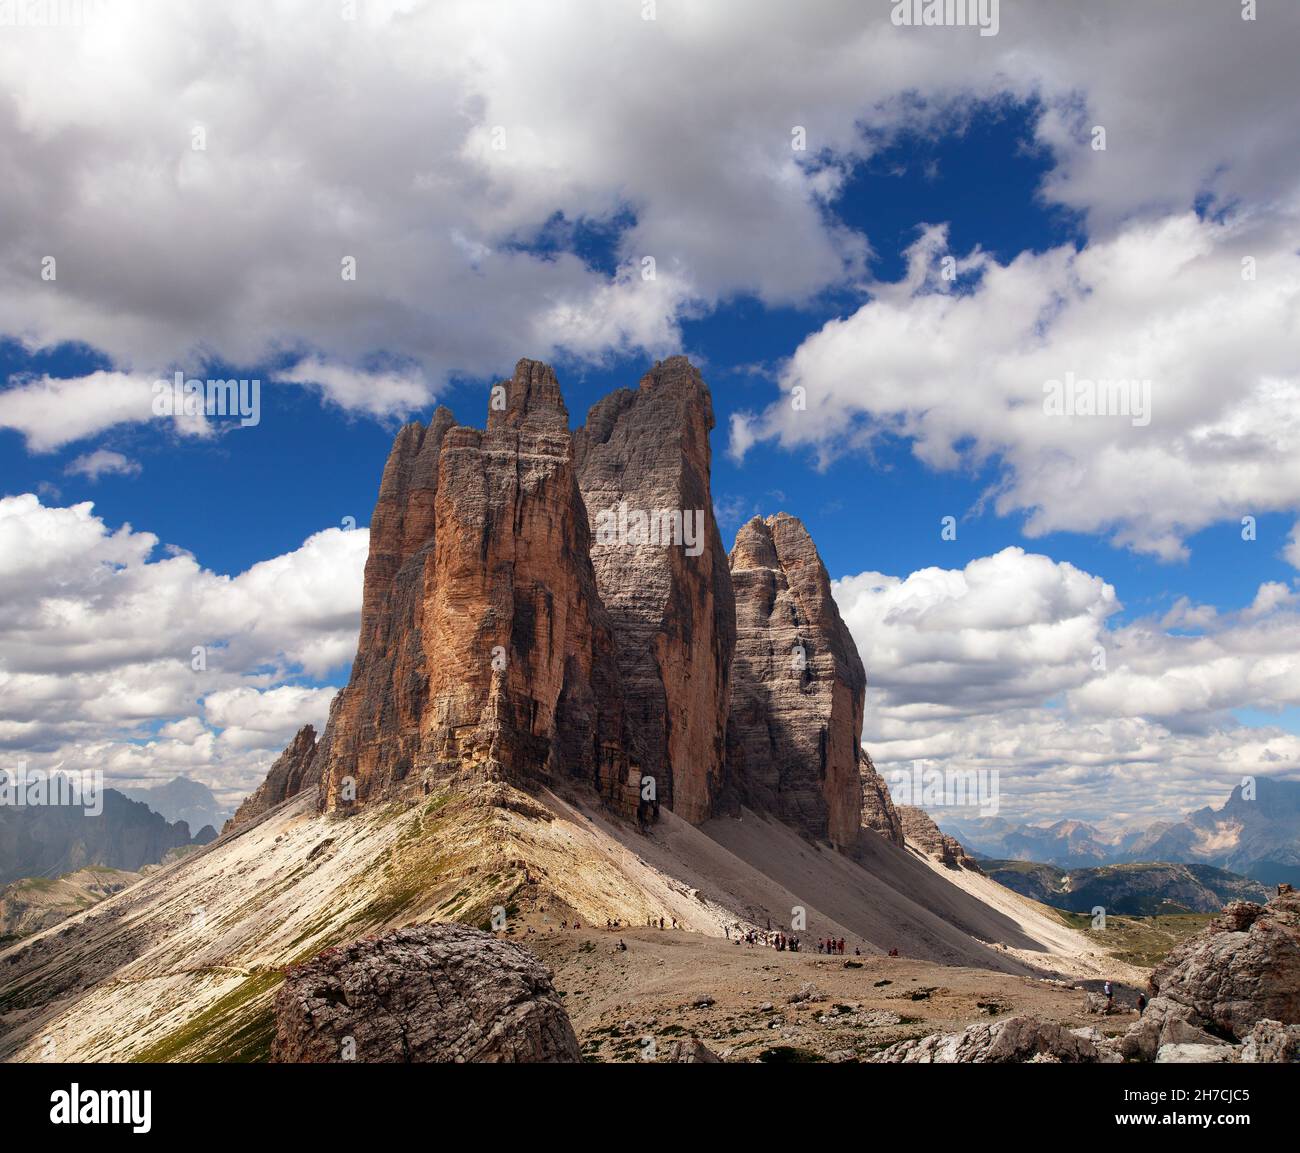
[
  {"x": 374, "y": 729},
  {"x": 878, "y": 811},
  {"x": 645, "y": 453},
  {"x": 294, "y": 770},
  {"x": 798, "y": 686},
  {"x": 920, "y": 830},
  {"x": 444, "y": 993},
  {"x": 485, "y": 646},
  {"x": 1271, "y": 1042},
  {"x": 1244, "y": 967},
  {"x": 539, "y": 602},
  {"x": 1193, "y": 1053},
  {"x": 1014, "y": 1039}
]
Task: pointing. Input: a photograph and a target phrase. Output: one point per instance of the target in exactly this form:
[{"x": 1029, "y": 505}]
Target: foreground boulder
[
  {"x": 1014, "y": 1040},
  {"x": 1192, "y": 1053},
  {"x": 690, "y": 1051},
  {"x": 1244, "y": 967},
  {"x": 1271, "y": 1042},
  {"x": 422, "y": 994}
]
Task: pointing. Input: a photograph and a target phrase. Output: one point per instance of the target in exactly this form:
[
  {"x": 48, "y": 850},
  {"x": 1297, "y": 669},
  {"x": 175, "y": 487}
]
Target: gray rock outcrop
[
  {"x": 798, "y": 685},
  {"x": 427, "y": 993}
]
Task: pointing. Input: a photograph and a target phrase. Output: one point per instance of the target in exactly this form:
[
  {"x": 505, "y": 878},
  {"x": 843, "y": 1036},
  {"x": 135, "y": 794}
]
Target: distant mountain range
[
  {"x": 183, "y": 799},
  {"x": 1138, "y": 890},
  {"x": 51, "y": 840},
  {"x": 1257, "y": 838}
]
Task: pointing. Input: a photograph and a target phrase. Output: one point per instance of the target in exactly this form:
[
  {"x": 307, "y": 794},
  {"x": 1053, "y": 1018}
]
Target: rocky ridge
[
  {"x": 294, "y": 770},
  {"x": 920, "y": 830},
  {"x": 879, "y": 813}
]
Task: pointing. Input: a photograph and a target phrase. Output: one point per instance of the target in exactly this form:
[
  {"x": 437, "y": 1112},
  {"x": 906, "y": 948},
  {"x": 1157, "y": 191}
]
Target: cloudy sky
[{"x": 879, "y": 243}]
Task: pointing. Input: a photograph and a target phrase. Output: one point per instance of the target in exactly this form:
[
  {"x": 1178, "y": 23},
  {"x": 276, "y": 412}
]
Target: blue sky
[
  {"x": 775, "y": 269},
  {"x": 246, "y": 496}
]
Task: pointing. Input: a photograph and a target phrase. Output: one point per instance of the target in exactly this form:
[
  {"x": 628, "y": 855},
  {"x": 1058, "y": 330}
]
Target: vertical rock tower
[
  {"x": 673, "y": 613},
  {"x": 484, "y": 645},
  {"x": 798, "y": 686},
  {"x": 502, "y": 638}
]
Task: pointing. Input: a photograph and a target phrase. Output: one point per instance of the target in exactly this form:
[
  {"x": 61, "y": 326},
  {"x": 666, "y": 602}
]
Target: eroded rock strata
[
  {"x": 541, "y": 603},
  {"x": 798, "y": 686},
  {"x": 485, "y": 646},
  {"x": 294, "y": 770},
  {"x": 878, "y": 811},
  {"x": 646, "y": 451}
]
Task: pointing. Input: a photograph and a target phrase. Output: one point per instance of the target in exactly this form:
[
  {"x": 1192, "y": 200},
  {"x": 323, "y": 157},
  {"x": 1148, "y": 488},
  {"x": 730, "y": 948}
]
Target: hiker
[
  {"x": 1142, "y": 1003},
  {"x": 841, "y": 946},
  {"x": 661, "y": 923},
  {"x": 1110, "y": 994}
]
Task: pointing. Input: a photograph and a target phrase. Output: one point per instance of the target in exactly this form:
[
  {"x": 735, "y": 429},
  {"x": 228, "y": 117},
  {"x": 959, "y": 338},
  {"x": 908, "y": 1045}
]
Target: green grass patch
[{"x": 236, "y": 1028}]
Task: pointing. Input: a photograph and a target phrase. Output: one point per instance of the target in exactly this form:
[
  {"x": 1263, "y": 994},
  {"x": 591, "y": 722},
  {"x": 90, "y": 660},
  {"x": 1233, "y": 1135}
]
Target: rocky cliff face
[
  {"x": 797, "y": 685},
  {"x": 539, "y": 602},
  {"x": 878, "y": 811},
  {"x": 294, "y": 769},
  {"x": 485, "y": 646},
  {"x": 373, "y": 733},
  {"x": 645, "y": 453},
  {"x": 920, "y": 831}
]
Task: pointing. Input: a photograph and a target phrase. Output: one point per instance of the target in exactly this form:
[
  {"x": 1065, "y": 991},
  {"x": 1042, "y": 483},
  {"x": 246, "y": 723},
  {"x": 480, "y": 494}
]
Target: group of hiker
[{"x": 785, "y": 942}]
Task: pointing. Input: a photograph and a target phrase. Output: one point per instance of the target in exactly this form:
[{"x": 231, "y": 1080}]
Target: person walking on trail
[
  {"x": 1110, "y": 994},
  {"x": 1142, "y": 1003}
]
